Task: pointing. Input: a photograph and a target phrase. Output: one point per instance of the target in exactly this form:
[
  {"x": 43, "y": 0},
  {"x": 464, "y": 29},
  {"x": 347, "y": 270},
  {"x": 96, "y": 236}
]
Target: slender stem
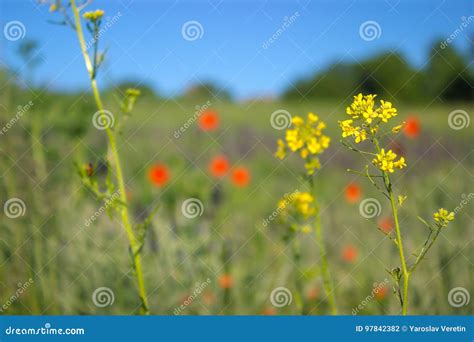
[
  {"x": 405, "y": 272},
  {"x": 116, "y": 163},
  {"x": 327, "y": 282}
]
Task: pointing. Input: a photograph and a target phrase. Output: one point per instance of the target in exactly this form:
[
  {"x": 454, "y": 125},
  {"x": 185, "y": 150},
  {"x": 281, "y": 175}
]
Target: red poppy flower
[
  {"x": 219, "y": 166},
  {"x": 313, "y": 293},
  {"x": 385, "y": 224},
  {"x": 241, "y": 176},
  {"x": 159, "y": 174},
  {"x": 269, "y": 312},
  {"x": 226, "y": 281},
  {"x": 353, "y": 193},
  {"x": 380, "y": 292},
  {"x": 350, "y": 253},
  {"x": 412, "y": 127},
  {"x": 209, "y": 121}
]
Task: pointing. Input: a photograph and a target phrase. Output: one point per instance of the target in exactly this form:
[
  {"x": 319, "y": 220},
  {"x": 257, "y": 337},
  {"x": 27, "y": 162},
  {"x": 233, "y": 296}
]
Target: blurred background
[{"x": 211, "y": 73}]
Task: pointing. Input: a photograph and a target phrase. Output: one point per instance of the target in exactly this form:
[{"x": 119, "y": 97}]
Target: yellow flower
[
  {"x": 401, "y": 199},
  {"x": 397, "y": 129},
  {"x": 306, "y": 229},
  {"x": 307, "y": 138},
  {"x": 93, "y": 15},
  {"x": 363, "y": 107},
  {"x": 348, "y": 130},
  {"x": 443, "y": 217},
  {"x": 301, "y": 204},
  {"x": 386, "y": 161},
  {"x": 281, "y": 151},
  {"x": 386, "y": 111}
]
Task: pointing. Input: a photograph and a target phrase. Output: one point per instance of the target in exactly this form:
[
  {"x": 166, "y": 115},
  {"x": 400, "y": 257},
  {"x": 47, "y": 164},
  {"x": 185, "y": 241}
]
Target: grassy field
[{"x": 228, "y": 253}]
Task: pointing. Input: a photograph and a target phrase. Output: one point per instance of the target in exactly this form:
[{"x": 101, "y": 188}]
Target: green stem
[
  {"x": 405, "y": 272},
  {"x": 327, "y": 282},
  {"x": 136, "y": 258}
]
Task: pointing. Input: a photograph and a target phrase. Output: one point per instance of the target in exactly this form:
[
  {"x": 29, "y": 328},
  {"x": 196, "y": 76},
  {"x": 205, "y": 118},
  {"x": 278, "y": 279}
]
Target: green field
[{"x": 68, "y": 259}]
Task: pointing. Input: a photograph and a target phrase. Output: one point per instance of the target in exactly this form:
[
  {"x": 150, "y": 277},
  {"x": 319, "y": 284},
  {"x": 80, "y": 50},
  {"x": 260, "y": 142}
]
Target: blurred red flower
[
  {"x": 385, "y": 224},
  {"x": 349, "y": 253},
  {"x": 241, "y": 176},
  {"x": 159, "y": 174},
  {"x": 313, "y": 293},
  {"x": 226, "y": 281},
  {"x": 219, "y": 166},
  {"x": 353, "y": 193},
  {"x": 412, "y": 127},
  {"x": 269, "y": 311},
  {"x": 380, "y": 292},
  {"x": 209, "y": 121}
]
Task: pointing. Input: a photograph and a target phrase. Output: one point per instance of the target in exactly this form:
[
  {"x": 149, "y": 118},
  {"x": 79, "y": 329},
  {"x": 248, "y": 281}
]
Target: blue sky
[{"x": 146, "y": 42}]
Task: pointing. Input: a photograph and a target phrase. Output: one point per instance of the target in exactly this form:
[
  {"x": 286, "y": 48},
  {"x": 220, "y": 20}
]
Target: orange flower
[
  {"x": 412, "y": 127},
  {"x": 219, "y": 166},
  {"x": 226, "y": 281},
  {"x": 385, "y": 224},
  {"x": 159, "y": 174},
  {"x": 209, "y": 121},
  {"x": 269, "y": 312},
  {"x": 349, "y": 253},
  {"x": 353, "y": 193},
  {"x": 313, "y": 293},
  {"x": 380, "y": 292},
  {"x": 241, "y": 176}
]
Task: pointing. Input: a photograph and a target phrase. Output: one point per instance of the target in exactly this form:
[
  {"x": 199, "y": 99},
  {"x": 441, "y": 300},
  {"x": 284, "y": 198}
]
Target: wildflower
[
  {"x": 385, "y": 224},
  {"x": 386, "y": 111},
  {"x": 159, "y": 175},
  {"x": 363, "y": 107},
  {"x": 307, "y": 138},
  {"x": 385, "y": 161},
  {"x": 380, "y": 292},
  {"x": 241, "y": 176},
  {"x": 350, "y": 254},
  {"x": 353, "y": 193},
  {"x": 348, "y": 130},
  {"x": 412, "y": 128},
  {"x": 302, "y": 204},
  {"x": 306, "y": 229},
  {"x": 226, "y": 281},
  {"x": 443, "y": 217},
  {"x": 93, "y": 15},
  {"x": 313, "y": 293},
  {"x": 269, "y": 312},
  {"x": 397, "y": 128},
  {"x": 401, "y": 200},
  {"x": 219, "y": 166},
  {"x": 209, "y": 121}
]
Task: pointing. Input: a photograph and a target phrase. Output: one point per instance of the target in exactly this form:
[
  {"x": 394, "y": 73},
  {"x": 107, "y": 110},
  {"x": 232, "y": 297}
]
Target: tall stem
[
  {"x": 136, "y": 258},
  {"x": 327, "y": 282},
  {"x": 405, "y": 272}
]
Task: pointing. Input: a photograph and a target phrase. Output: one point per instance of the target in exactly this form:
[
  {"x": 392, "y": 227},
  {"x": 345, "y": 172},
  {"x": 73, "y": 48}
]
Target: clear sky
[{"x": 146, "y": 43}]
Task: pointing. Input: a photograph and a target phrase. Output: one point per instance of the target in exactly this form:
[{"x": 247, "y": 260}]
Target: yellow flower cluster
[
  {"x": 365, "y": 117},
  {"x": 307, "y": 138},
  {"x": 93, "y": 15},
  {"x": 302, "y": 203},
  {"x": 385, "y": 161},
  {"x": 443, "y": 217}
]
